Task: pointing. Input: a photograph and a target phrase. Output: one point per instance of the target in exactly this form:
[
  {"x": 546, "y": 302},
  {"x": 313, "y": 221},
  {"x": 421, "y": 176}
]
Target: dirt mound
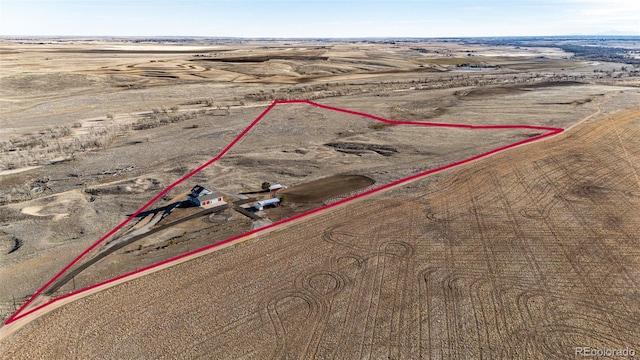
[
  {"x": 361, "y": 148},
  {"x": 511, "y": 90},
  {"x": 326, "y": 188},
  {"x": 58, "y": 206},
  {"x": 133, "y": 186},
  {"x": 546, "y": 84},
  {"x": 263, "y": 58}
]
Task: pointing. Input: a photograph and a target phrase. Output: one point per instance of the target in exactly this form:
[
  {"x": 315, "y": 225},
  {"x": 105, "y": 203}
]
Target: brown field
[
  {"x": 326, "y": 188},
  {"x": 525, "y": 254}
]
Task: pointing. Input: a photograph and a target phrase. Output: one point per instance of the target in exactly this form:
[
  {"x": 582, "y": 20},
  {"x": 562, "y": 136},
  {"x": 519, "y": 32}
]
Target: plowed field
[{"x": 326, "y": 188}]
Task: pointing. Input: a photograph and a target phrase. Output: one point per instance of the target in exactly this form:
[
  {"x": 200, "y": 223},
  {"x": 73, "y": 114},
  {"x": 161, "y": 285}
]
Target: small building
[
  {"x": 276, "y": 187},
  {"x": 204, "y": 197},
  {"x": 261, "y": 204}
]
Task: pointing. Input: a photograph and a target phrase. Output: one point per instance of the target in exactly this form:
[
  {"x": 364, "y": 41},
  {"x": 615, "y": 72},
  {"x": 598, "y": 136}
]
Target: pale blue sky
[{"x": 318, "y": 18}]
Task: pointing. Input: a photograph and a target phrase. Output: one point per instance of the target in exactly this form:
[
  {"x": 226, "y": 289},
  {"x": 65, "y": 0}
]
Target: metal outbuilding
[
  {"x": 276, "y": 187},
  {"x": 261, "y": 204}
]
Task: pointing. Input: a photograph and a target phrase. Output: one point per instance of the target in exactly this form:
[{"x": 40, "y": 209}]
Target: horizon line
[{"x": 206, "y": 37}]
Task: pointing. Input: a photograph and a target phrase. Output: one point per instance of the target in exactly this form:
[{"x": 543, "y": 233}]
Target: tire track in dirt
[
  {"x": 512, "y": 192},
  {"x": 323, "y": 298},
  {"x": 400, "y": 291},
  {"x": 570, "y": 254},
  {"x": 319, "y": 303},
  {"x": 530, "y": 323},
  {"x": 615, "y": 265},
  {"x": 403, "y": 331},
  {"x": 601, "y": 320},
  {"x": 516, "y": 229},
  {"x": 611, "y": 259},
  {"x": 357, "y": 277},
  {"x": 271, "y": 309},
  {"x": 83, "y": 332},
  {"x": 351, "y": 319},
  {"x": 380, "y": 257},
  {"x": 523, "y": 296},
  {"x": 490, "y": 259},
  {"x": 449, "y": 323},
  {"x": 424, "y": 311},
  {"x": 554, "y": 230},
  {"x": 626, "y": 155},
  {"x": 368, "y": 327},
  {"x": 331, "y": 234},
  {"x": 479, "y": 298},
  {"x": 452, "y": 314}
]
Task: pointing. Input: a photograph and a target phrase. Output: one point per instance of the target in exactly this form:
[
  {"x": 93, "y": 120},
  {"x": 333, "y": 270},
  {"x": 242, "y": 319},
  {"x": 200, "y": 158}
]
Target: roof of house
[
  {"x": 199, "y": 191},
  {"x": 212, "y": 195}
]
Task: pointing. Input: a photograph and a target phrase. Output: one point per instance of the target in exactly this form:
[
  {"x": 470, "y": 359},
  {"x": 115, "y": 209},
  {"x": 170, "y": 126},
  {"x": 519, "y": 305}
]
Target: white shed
[{"x": 276, "y": 187}]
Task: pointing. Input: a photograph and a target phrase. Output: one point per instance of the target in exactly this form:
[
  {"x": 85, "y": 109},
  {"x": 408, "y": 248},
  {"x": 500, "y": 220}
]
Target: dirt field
[
  {"x": 304, "y": 143},
  {"x": 529, "y": 253},
  {"x": 341, "y": 143},
  {"x": 326, "y": 188},
  {"x": 525, "y": 254}
]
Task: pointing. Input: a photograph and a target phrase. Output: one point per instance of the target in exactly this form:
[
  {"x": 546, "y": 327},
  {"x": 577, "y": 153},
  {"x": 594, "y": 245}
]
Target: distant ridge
[{"x": 618, "y": 33}]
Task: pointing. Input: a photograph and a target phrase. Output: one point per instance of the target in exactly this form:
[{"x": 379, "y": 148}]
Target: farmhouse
[{"x": 204, "y": 197}]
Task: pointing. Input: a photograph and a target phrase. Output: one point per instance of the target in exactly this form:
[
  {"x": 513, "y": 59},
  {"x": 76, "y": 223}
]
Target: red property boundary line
[{"x": 550, "y": 131}]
